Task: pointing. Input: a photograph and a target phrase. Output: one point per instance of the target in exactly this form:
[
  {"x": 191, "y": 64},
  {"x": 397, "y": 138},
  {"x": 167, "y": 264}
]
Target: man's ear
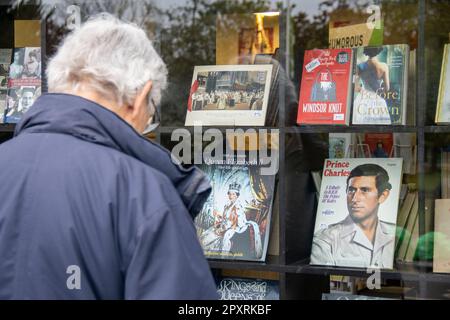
[
  {"x": 382, "y": 198},
  {"x": 141, "y": 97}
]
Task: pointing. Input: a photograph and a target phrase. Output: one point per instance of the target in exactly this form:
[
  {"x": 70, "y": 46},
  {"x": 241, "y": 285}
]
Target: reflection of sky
[
  {"x": 308, "y": 6},
  {"x": 311, "y": 7}
]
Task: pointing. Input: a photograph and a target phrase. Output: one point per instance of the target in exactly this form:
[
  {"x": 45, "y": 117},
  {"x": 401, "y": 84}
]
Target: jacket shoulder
[
  {"x": 388, "y": 227},
  {"x": 330, "y": 233}
]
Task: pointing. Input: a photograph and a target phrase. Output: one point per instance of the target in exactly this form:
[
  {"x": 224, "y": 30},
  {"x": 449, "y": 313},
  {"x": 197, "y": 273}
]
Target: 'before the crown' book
[
  {"x": 325, "y": 94},
  {"x": 380, "y": 85},
  {"x": 357, "y": 213}
]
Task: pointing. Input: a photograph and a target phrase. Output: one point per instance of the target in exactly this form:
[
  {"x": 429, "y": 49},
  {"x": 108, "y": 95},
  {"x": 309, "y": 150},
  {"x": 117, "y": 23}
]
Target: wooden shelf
[
  {"x": 359, "y": 128},
  {"x": 272, "y": 264}
]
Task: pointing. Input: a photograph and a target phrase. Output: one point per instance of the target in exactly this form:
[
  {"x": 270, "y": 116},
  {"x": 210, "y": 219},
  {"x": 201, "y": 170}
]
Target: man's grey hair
[{"x": 112, "y": 57}]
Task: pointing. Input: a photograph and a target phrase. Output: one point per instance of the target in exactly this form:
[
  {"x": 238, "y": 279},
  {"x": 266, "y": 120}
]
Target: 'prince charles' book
[{"x": 357, "y": 212}]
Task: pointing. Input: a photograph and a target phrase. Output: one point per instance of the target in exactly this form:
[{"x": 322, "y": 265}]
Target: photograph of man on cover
[
  {"x": 362, "y": 239},
  {"x": 19, "y": 101},
  {"x": 32, "y": 67}
]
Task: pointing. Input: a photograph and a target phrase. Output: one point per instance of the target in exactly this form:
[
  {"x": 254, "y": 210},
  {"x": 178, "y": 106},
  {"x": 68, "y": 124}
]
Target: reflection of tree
[
  {"x": 141, "y": 12},
  {"x": 188, "y": 37},
  {"x": 190, "y": 40},
  {"x": 188, "y": 32},
  {"x": 399, "y": 20}
]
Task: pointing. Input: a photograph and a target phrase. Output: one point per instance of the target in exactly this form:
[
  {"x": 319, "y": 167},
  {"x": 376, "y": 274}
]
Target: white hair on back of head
[{"x": 112, "y": 57}]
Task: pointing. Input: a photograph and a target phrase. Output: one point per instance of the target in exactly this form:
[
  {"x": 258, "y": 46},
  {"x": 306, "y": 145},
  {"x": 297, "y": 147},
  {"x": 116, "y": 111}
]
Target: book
[
  {"x": 412, "y": 80},
  {"x": 348, "y": 296},
  {"x": 441, "y": 251},
  {"x": 380, "y": 144},
  {"x": 5, "y": 61},
  {"x": 230, "y": 95},
  {"x": 345, "y": 284},
  {"x": 274, "y": 236},
  {"x": 413, "y": 241},
  {"x": 380, "y": 85},
  {"x": 410, "y": 202},
  {"x": 247, "y": 289},
  {"x": 445, "y": 172},
  {"x": 443, "y": 103},
  {"x": 235, "y": 220},
  {"x": 404, "y": 242},
  {"x": 24, "y": 83},
  {"x": 357, "y": 213},
  {"x": 405, "y": 147},
  {"x": 339, "y": 145},
  {"x": 325, "y": 93},
  {"x": 278, "y": 75}
]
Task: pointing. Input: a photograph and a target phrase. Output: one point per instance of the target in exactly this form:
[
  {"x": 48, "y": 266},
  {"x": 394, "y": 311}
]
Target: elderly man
[{"x": 90, "y": 209}]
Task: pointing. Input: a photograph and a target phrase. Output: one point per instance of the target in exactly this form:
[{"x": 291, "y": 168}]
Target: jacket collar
[
  {"x": 89, "y": 121},
  {"x": 382, "y": 235}
]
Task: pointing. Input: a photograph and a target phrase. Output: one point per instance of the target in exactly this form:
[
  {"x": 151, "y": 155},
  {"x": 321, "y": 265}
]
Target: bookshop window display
[{"x": 347, "y": 103}]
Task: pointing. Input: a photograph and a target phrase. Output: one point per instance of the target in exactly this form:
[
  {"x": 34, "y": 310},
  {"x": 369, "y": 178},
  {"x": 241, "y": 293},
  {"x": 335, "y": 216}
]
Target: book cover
[
  {"x": 235, "y": 221},
  {"x": 380, "y": 85},
  {"x": 229, "y": 95},
  {"x": 355, "y": 35},
  {"x": 24, "y": 83},
  {"x": 5, "y": 61},
  {"x": 441, "y": 256},
  {"x": 348, "y": 296},
  {"x": 247, "y": 289},
  {"x": 443, "y": 104},
  {"x": 339, "y": 145},
  {"x": 405, "y": 147},
  {"x": 408, "y": 206},
  {"x": 357, "y": 213},
  {"x": 406, "y": 231},
  {"x": 380, "y": 144},
  {"x": 325, "y": 87}
]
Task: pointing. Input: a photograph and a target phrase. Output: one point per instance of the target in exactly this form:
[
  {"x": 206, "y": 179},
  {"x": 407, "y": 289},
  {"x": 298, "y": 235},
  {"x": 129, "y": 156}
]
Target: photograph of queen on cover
[
  {"x": 361, "y": 238},
  {"x": 235, "y": 221}
]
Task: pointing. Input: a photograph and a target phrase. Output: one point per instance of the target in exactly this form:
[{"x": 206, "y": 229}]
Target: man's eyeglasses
[{"x": 154, "y": 120}]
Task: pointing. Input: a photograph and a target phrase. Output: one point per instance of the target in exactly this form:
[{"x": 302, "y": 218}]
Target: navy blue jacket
[{"x": 79, "y": 187}]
